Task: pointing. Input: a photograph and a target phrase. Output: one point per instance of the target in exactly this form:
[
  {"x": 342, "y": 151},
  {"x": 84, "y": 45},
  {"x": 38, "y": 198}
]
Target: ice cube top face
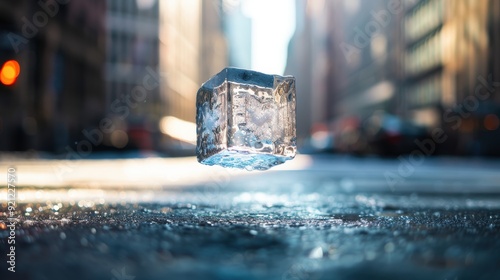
[{"x": 246, "y": 119}]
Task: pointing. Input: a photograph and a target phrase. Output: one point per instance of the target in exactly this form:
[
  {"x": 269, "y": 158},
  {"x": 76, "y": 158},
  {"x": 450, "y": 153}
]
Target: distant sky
[{"x": 273, "y": 24}]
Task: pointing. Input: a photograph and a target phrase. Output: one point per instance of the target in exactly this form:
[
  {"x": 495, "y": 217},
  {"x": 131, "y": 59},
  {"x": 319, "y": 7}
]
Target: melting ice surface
[{"x": 246, "y": 119}]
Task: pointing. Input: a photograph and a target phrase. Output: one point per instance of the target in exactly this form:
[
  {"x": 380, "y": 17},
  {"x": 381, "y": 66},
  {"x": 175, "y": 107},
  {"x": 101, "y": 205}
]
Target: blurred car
[
  {"x": 389, "y": 135},
  {"x": 320, "y": 141}
]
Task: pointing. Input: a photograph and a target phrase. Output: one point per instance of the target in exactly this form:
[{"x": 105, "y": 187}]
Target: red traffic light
[{"x": 9, "y": 72}]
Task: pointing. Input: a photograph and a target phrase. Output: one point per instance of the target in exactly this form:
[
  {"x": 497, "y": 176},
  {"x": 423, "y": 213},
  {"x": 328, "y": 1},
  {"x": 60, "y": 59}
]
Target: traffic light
[
  {"x": 9, "y": 62},
  {"x": 9, "y": 72}
]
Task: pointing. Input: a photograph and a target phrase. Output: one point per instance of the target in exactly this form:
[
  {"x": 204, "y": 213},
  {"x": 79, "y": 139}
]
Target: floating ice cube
[{"x": 246, "y": 119}]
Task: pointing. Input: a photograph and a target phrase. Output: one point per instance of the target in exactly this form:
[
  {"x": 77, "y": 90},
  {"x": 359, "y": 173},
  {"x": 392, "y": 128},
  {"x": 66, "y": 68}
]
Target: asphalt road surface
[{"x": 322, "y": 218}]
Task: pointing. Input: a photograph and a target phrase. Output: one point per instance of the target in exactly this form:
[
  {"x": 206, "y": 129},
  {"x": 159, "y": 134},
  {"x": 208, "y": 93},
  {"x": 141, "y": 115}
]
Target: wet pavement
[{"x": 336, "y": 218}]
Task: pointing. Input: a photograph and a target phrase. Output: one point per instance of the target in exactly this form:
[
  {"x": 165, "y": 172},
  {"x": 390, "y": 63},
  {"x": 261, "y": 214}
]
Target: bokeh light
[
  {"x": 9, "y": 72},
  {"x": 491, "y": 122}
]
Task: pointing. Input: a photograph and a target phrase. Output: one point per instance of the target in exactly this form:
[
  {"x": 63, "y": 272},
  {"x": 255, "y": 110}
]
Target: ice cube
[{"x": 246, "y": 119}]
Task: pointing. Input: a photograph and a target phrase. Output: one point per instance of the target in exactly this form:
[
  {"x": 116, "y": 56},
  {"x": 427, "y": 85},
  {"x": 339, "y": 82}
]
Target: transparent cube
[{"x": 246, "y": 119}]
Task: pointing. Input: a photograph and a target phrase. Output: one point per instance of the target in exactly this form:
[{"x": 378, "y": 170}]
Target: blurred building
[
  {"x": 308, "y": 62},
  {"x": 88, "y": 63},
  {"x": 192, "y": 49},
  {"x": 343, "y": 59},
  {"x": 132, "y": 77},
  {"x": 450, "y": 50},
  {"x": 60, "y": 47},
  {"x": 418, "y": 61}
]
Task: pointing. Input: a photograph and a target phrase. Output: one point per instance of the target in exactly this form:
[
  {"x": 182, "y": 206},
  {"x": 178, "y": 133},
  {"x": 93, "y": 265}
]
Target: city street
[
  {"x": 117, "y": 118},
  {"x": 316, "y": 217}
]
